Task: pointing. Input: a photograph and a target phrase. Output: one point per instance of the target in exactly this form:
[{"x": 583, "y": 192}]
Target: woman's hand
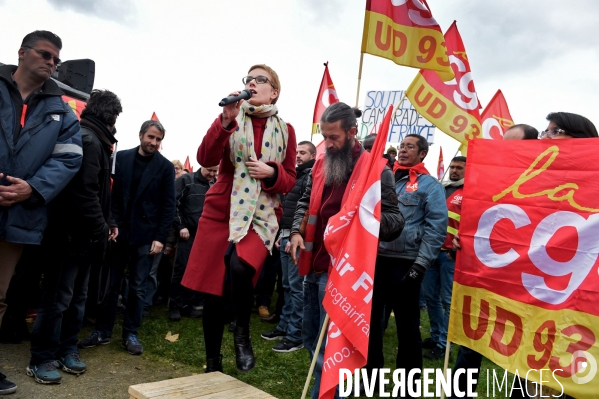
[
  {"x": 259, "y": 170},
  {"x": 230, "y": 111}
]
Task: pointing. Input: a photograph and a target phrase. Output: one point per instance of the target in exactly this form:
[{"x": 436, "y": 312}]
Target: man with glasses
[
  {"x": 40, "y": 152},
  {"x": 437, "y": 285},
  {"x": 401, "y": 263}
]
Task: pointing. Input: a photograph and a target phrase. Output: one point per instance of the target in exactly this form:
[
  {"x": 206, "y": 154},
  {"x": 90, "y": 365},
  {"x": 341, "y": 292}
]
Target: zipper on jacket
[
  {"x": 322, "y": 246},
  {"x": 43, "y": 119}
]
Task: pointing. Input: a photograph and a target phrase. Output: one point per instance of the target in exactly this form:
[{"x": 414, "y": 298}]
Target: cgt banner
[
  {"x": 451, "y": 106},
  {"x": 526, "y": 284},
  {"x": 405, "y": 32}
]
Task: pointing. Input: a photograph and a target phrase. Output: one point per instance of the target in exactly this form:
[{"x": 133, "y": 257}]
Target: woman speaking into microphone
[{"x": 239, "y": 223}]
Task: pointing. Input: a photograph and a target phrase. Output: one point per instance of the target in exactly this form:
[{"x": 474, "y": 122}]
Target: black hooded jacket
[
  {"x": 190, "y": 192},
  {"x": 303, "y": 171},
  {"x": 84, "y": 205}
]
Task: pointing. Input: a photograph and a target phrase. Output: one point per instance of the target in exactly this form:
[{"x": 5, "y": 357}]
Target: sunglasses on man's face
[{"x": 46, "y": 55}]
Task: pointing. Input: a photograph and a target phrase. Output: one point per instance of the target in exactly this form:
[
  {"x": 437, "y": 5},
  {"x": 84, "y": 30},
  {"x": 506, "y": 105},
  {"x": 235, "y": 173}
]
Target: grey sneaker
[
  {"x": 44, "y": 373},
  {"x": 72, "y": 364},
  {"x": 95, "y": 339},
  {"x": 132, "y": 344}
]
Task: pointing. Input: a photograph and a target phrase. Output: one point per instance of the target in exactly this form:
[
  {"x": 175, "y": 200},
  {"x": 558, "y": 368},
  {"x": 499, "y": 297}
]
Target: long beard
[{"x": 338, "y": 165}]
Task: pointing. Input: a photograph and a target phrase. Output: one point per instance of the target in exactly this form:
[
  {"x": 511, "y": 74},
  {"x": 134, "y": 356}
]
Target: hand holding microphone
[{"x": 231, "y": 105}]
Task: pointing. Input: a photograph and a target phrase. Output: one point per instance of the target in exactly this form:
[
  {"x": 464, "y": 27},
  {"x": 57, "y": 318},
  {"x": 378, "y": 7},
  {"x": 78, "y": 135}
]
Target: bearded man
[{"x": 327, "y": 187}]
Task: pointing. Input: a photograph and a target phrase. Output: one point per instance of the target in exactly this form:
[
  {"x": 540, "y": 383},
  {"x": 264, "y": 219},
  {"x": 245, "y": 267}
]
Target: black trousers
[
  {"x": 402, "y": 297},
  {"x": 242, "y": 297},
  {"x": 181, "y": 296}
]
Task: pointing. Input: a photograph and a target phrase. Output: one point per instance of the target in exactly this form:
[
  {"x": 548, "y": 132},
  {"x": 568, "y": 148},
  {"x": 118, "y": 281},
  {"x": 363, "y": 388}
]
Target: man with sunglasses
[{"x": 40, "y": 151}]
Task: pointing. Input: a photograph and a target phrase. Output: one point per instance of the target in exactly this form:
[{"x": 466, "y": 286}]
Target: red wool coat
[{"x": 205, "y": 270}]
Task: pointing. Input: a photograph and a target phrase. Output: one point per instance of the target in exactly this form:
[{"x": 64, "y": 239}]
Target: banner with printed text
[
  {"x": 452, "y": 106},
  {"x": 405, "y": 32},
  {"x": 406, "y": 119},
  {"x": 526, "y": 284},
  {"x": 352, "y": 237}
]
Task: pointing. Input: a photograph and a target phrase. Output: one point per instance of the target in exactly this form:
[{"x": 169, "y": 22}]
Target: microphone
[{"x": 244, "y": 95}]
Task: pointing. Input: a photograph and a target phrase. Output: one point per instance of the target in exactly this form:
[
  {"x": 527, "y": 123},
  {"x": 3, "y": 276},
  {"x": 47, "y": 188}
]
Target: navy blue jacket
[
  {"x": 153, "y": 208},
  {"x": 47, "y": 154}
]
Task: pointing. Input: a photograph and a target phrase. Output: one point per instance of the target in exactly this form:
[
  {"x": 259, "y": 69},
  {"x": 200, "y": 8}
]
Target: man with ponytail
[{"x": 331, "y": 179}]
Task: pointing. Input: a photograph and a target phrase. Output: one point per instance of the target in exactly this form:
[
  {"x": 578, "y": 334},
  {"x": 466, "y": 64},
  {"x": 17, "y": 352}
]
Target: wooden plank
[{"x": 205, "y": 386}]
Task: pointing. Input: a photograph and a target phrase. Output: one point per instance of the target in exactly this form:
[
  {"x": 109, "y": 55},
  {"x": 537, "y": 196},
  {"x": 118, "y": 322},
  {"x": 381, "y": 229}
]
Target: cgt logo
[{"x": 589, "y": 363}]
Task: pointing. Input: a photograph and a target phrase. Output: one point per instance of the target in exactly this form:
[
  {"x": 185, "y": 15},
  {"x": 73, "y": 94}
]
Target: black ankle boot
[
  {"x": 244, "y": 354},
  {"x": 214, "y": 364}
]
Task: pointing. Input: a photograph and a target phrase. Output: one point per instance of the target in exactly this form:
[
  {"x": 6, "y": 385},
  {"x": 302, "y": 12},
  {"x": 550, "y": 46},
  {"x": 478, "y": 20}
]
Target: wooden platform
[{"x": 205, "y": 386}]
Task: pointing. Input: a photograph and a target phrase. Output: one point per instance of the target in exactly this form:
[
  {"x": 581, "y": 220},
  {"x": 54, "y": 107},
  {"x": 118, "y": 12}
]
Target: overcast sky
[{"x": 179, "y": 58}]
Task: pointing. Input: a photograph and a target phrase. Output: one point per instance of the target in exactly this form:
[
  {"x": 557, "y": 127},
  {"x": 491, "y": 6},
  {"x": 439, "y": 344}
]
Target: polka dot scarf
[{"x": 249, "y": 204}]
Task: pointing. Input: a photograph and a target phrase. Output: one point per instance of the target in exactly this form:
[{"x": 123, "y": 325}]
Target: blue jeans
[
  {"x": 60, "y": 314},
  {"x": 437, "y": 287},
  {"x": 138, "y": 261},
  {"x": 152, "y": 285},
  {"x": 291, "y": 317},
  {"x": 314, "y": 314}
]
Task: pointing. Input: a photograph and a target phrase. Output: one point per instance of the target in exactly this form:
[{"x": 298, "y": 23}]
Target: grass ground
[{"x": 281, "y": 375}]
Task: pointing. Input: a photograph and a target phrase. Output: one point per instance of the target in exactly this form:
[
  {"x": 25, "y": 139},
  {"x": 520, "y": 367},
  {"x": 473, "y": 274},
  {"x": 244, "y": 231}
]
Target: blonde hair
[
  {"x": 274, "y": 78},
  {"x": 178, "y": 163}
]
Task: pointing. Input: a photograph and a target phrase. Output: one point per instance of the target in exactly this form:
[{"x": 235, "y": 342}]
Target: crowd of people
[{"x": 104, "y": 222}]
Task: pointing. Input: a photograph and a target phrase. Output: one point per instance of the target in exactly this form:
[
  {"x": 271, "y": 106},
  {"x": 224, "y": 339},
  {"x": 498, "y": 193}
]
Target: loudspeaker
[{"x": 78, "y": 74}]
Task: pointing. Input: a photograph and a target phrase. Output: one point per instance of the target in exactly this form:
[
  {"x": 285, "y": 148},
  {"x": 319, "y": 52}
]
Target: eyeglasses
[
  {"x": 259, "y": 80},
  {"x": 46, "y": 55},
  {"x": 555, "y": 131},
  {"x": 407, "y": 147}
]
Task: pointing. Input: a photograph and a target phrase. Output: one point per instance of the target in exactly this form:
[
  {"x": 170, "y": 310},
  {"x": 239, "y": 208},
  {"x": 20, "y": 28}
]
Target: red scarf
[{"x": 413, "y": 171}]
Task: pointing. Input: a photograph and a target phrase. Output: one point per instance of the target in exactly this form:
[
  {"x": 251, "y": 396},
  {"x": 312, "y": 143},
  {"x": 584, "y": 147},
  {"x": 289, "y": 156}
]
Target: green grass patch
[{"x": 280, "y": 374}]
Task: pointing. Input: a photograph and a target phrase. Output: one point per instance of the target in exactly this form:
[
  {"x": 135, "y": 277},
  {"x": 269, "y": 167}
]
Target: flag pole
[
  {"x": 359, "y": 78},
  {"x": 447, "y": 169},
  {"x": 446, "y": 361},
  {"x": 325, "y": 323},
  {"x": 403, "y": 97}
]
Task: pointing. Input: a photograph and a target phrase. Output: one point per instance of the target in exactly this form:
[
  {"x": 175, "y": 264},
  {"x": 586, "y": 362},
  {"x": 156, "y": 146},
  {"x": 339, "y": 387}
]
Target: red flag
[
  {"x": 405, "y": 32},
  {"x": 451, "y": 106},
  {"x": 440, "y": 165},
  {"x": 526, "y": 287},
  {"x": 327, "y": 95},
  {"x": 155, "y": 118},
  {"x": 187, "y": 165},
  {"x": 496, "y": 118},
  {"x": 76, "y": 105},
  {"x": 320, "y": 149},
  {"x": 352, "y": 238}
]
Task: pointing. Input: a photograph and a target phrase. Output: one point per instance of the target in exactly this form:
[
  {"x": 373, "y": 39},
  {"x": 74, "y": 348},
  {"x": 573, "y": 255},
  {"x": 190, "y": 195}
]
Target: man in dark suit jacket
[{"x": 143, "y": 206}]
